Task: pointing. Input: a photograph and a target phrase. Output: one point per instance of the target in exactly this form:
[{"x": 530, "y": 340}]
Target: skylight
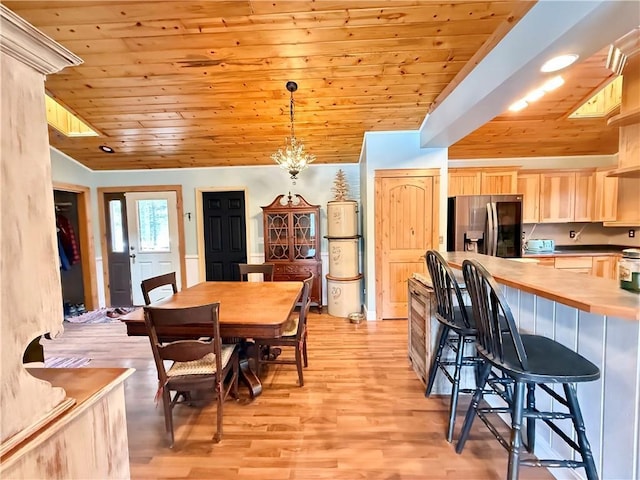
[{"x": 66, "y": 122}]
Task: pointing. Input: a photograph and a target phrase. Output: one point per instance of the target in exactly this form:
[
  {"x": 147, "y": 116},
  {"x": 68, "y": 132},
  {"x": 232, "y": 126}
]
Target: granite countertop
[
  {"x": 580, "y": 251},
  {"x": 590, "y": 294}
]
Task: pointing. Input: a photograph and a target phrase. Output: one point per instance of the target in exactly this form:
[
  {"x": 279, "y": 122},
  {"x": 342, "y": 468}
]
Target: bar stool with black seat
[
  {"x": 457, "y": 331},
  {"x": 532, "y": 362},
  {"x": 266, "y": 269}
]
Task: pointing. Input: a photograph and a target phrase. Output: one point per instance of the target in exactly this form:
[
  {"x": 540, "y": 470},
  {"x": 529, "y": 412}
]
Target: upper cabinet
[
  {"x": 606, "y": 205},
  {"x": 482, "y": 181},
  {"x": 529, "y": 186},
  {"x": 499, "y": 182},
  {"x": 464, "y": 181},
  {"x": 557, "y": 197},
  {"x": 560, "y": 196},
  {"x": 585, "y": 193}
]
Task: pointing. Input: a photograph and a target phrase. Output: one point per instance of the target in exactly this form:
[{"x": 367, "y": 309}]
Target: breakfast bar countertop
[
  {"x": 587, "y": 293},
  {"x": 578, "y": 251}
]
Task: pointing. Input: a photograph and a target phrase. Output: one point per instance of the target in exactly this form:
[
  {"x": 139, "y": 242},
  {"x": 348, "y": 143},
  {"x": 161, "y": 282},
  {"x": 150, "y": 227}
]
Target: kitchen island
[{"x": 599, "y": 320}]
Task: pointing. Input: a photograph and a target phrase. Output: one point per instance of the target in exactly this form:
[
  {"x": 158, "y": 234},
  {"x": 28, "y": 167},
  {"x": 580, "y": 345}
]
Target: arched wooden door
[{"x": 407, "y": 211}]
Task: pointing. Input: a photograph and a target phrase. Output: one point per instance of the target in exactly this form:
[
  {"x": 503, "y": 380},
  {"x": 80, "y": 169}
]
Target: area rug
[
  {"x": 103, "y": 315},
  {"x": 66, "y": 362}
]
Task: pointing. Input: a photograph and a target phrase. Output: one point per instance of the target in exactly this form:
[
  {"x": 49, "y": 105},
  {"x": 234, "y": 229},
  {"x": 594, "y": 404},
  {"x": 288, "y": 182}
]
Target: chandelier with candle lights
[{"x": 292, "y": 156}]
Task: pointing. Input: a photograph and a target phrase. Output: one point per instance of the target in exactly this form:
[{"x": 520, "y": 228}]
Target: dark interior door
[
  {"x": 224, "y": 234},
  {"x": 118, "y": 250}
]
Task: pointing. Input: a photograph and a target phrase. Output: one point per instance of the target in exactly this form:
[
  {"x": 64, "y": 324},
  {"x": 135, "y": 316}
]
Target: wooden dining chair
[
  {"x": 156, "y": 282},
  {"x": 266, "y": 269},
  {"x": 196, "y": 364},
  {"x": 294, "y": 336}
]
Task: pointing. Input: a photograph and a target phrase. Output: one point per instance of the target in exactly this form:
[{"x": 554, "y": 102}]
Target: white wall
[
  {"x": 261, "y": 184},
  {"x": 393, "y": 150}
]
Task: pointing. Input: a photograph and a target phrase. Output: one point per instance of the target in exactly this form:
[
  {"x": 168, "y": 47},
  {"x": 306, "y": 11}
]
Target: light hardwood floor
[{"x": 362, "y": 414}]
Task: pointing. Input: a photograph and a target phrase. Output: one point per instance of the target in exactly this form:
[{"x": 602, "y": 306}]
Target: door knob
[{"x": 133, "y": 257}]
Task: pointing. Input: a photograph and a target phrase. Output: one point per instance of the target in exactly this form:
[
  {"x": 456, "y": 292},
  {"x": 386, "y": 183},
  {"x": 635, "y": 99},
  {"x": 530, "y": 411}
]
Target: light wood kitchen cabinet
[
  {"x": 528, "y": 185},
  {"x": 585, "y": 192},
  {"x": 464, "y": 181},
  {"x": 482, "y": 181},
  {"x": 605, "y": 266},
  {"x": 606, "y": 197},
  {"x": 505, "y": 182},
  {"x": 547, "y": 261},
  {"x": 575, "y": 264},
  {"x": 567, "y": 196},
  {"x": 421, "y": 307},
  {"x": 557, "y": 197}
]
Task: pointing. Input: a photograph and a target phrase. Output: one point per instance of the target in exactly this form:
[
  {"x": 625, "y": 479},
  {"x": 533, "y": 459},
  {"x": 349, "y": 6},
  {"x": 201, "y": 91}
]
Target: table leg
[
  {"x": 247, "y": 375},
  {"x": 249, "y": 378}
]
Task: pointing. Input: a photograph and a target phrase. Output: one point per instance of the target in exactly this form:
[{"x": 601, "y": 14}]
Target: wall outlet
[
  {"x": 572, "y": 234},
  {"x": 632, "y": 233}
]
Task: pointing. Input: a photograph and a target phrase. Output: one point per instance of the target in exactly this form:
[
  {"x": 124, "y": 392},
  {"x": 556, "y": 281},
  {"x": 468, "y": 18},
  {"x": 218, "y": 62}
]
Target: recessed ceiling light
[
  {"x": 106, "y": 149},
  {"x": 559, "y": 62},
  {"x": 553, "y": 83},
  {"x": 517, "y": 106},
  {"x": 534, "y": 95}
]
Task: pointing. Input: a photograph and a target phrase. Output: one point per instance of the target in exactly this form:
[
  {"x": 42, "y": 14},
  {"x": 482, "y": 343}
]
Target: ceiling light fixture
[
  {"x": 534, "y": 95},
  {"x": 292, "y": 157},
  {"x": 553, "y": 83},
  {"x": 559, "y": 62},
  {"x": 106, "y": 149},
  {"x": 519, "y": 105}
]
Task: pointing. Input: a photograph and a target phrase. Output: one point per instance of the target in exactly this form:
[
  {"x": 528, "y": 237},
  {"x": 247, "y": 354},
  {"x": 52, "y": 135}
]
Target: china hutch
[{"x": 292, "y": 241}]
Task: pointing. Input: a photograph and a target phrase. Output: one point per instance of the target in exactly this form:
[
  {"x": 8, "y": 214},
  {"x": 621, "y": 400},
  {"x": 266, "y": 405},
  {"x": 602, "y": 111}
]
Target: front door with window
[
  {"x": 118, "y": 250},
  {"x": 153, "y": 239}
]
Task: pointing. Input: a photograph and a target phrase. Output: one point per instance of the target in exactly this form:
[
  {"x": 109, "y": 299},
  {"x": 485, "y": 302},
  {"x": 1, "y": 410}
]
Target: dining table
[{"x": 247, "y": 310}]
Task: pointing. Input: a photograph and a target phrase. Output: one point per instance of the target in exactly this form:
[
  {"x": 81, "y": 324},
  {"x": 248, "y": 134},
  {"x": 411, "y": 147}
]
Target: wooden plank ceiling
[{"x": 202, "y": 83}]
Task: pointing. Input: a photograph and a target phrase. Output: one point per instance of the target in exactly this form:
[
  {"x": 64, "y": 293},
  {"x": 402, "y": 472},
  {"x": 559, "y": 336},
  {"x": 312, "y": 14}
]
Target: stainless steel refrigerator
[{"x": 489, "y": 224}]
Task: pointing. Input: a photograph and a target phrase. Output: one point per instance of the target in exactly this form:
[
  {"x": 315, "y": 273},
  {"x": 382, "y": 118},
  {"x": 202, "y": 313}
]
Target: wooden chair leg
[
  {"x": 455, "y": 389},
  {"x": 168, "y": 418},
  {"x": 219, "y": 412},
  {"x": 236, "y": 376},
  {"x": 299, "y": 365},
  {"x": 304, "y": 352},
  {"x": 531, "y": 422},
  {"x": 578, "y": 424},
  {"x": 475, "y": 402},
  {"x": 516, "y": 431},
  {"x": 444, "y": 332}
]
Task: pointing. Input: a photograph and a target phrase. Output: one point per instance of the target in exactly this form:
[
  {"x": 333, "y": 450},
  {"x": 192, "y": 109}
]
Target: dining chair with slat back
[
  {"x": 196, "y": 364},
  {"x": 294, "y": 336},
  {"x": 266, "y": 269},
  {"x": 152, "y": 283}
]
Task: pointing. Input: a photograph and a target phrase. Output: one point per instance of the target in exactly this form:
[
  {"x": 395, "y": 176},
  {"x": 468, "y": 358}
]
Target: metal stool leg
[
  {"x": 455, "y": 389},
  {"x": 531, "y": 422},
  {"x": 444, "y": 332},
  {"x": 516, "y": 426},
  {"x": 578, "y": 424},
  {"x": 485, "y": 369}
]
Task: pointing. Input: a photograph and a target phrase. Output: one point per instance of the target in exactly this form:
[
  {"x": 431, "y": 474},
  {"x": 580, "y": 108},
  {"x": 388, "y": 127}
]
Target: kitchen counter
[
  {"x": 579, "y": 251},
  {"x": 589, "y": 294}
]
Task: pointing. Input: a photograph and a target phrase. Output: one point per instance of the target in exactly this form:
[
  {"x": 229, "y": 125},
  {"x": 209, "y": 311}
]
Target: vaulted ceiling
[{"x": 202, "y": 83}]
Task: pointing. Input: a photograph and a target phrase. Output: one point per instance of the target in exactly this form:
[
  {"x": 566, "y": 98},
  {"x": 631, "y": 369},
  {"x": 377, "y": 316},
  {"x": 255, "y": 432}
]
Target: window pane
[
  {"x": 117, "y": 233},
  {"x": 153, "y": 223}
]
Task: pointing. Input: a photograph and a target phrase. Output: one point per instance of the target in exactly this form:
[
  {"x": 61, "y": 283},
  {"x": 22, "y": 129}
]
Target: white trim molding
[{"x": 22, "y": 41}]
